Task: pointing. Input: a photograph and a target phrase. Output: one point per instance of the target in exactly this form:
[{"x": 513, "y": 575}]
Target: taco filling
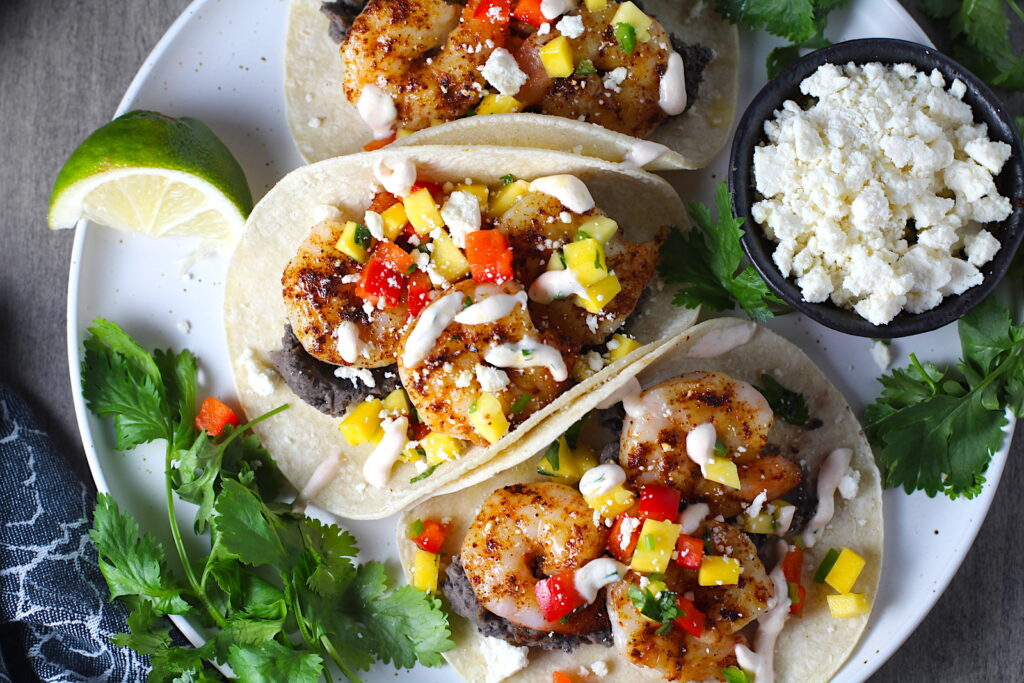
[
  {"x": 412, "y": 64},
  {"x": 452, "y": 313},
  {"x": 683, "y": 551}
]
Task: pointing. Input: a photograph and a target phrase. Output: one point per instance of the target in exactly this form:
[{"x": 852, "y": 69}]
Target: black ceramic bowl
[{"x": 987, "y": 108}]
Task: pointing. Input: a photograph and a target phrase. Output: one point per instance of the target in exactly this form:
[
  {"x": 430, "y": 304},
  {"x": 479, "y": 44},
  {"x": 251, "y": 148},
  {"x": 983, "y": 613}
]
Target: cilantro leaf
[
  {"x": 791, "y": 19},
  {"x": 706, "y": 261},
  {"x": 331, "y": 551},
  {"x": 133, "y": 564},
  {"x": 662, "y": 608},
  {"x": 246, "y": 531},
  {"x": 147, "y": 630},
  {"x": 788, "y": 404},
  {"x": 980, "y": 30},
  {"x": 937, "y": 429},
  {"x": 272, "y": 662},
  {"x": 180, "y": 664}
]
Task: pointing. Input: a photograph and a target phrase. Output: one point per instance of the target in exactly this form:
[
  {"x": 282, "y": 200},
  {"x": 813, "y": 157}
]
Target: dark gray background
[{"x": 63, "y": 68}]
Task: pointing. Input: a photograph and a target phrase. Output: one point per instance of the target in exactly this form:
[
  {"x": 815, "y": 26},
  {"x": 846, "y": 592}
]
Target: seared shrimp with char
[
  {"x": 524, "y": 533},
  {"x": 467, "y": 358},
  {"x": 425, "y": 54},
  {"x": 652, "y": 448}
]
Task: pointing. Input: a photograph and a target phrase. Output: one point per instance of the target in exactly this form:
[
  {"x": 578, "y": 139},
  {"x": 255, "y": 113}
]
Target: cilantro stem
[
  {"x": 186, "y": 563},
  {"x": 1016, "y": 9},
  {"x": 924, "y": 374},
  {"x": 336, "y": 658}
]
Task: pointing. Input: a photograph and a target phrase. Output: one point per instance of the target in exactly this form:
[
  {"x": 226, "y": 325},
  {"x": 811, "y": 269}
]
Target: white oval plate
[{"x": 221, "y": 62}]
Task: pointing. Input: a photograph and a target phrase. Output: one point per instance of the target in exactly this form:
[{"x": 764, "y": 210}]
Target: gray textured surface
[{"x": 63, "y": 69}]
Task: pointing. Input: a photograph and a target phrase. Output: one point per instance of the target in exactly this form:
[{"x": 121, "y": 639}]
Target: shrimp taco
[
  {"x": 423, "y": 309},
  {"x": 652, "y": 87},
  {"x": 715, "y": 541}
]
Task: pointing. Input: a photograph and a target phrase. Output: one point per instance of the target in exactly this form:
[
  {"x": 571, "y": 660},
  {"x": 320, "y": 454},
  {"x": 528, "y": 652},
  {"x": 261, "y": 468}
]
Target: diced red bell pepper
[
  {"x": 380, "y": 282},
  {"x": 689, "y": 551},
  {"x": 214, "y": 415},
  {"x": 692, "y": 620},
  {"x": 489, "y": 256},
  {"x": 419, "y": 293},
  {"x": 393, "y": 255},
  {"x": 382, "y": 201},
  {"x": 797, "y": 599},
  {"x": 658, "y": 502},
  {"x": 557, "y": 596},
  {"x": 624, "y": 535},
  {"x": 560, "y": 677},
  {"x": 495, "y": 12},
  {"x": 434, "y": 189},
  {"x": 528, "y": 11},
  {"x": 420, "y": 431},
  {"x": 432, "y": 537},
  {"x": 793, "y": 564},
  {"x": 377, "y": 144}
]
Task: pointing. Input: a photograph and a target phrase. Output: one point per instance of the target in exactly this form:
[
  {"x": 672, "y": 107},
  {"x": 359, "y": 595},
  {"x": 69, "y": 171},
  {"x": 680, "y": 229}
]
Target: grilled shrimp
[
  {"x": 425, "y": 54},
  {"x": 325, "y": 312},
  {"x": 536, "y": 231},
  {"x": 523, "y": 531},
  {"x": 445, "y": 384},
  {"x": 652, "y": 448},
  {"x": 678, "y": 655},
  {"x": 628, "y": 104}
]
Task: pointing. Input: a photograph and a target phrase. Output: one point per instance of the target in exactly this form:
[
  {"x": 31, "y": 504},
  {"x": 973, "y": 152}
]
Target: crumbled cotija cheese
[{"x": 876, "y": 192}]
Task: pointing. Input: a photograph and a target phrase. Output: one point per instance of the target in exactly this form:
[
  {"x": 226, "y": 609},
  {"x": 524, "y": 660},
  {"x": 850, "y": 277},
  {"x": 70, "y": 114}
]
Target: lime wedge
[{"x": 148, "y": 173}]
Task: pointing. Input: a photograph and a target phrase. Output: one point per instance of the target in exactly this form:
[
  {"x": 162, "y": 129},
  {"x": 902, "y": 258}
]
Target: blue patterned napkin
[{"x": 55, "y": 616}]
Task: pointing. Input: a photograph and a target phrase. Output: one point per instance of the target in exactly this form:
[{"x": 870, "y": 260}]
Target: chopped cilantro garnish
[
  {"x": 520, "y": 403},
  {"x": 788, "y": 404},
  {"x": 425, "y": 473},
  {"x": 662, "y": 609},
  {"x": 507, "y": 179},
  {"x": 415, "y": 529}
]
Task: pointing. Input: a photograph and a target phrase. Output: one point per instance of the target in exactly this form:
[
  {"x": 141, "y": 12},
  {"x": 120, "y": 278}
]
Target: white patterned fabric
[{"x": 55, "y": 616}]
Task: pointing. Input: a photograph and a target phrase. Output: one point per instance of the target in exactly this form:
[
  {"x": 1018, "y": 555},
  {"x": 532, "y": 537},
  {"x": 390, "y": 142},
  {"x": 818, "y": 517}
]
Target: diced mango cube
[
  {"x": 355, "y": 241},
  {"x": 448, "y": 260},
  {"x": 761, "y": 523},
  {"x": 656, "y": 587},
  {"x": 556, "y": 56},
  {"x": 426, "y": 567},
  {"x": 505, "y": 198},
  {"x": 478, "y": 190},
  {"x": 629, "y": 13},
  {"x": 723, "y": 471},
  {"x": 498, "y": 104},
  {"x": 555, "y": 262},
  {"x": 848, "y": 605},
  {"x": 622, "y": 347},
  {"x": 403, "y": 133},
  {"x": 440, "y": 448},
  {"x": 596, "y": 5},
  {"x": 586, "y": 458},
  {"x": 600, "y": 294},
  {"x": 558, "y": 462},
  {"x": 601, "y": 228},
  {"x": 584, "y": 368},
  {"x": 360, "y": 425},
  {"x": 488, "y": 417},
  {"x": 612, "y": 503},
  {"x": 718, "y": 570},
  {"x": 396, "y": 402},
  {"x": 845, "y": 571},
  {"x": 655, "y": 547},
  {"x": 423, "y": 211},
  {"x": 394, "y": 220},
  {"x": 585, "y": 258}
]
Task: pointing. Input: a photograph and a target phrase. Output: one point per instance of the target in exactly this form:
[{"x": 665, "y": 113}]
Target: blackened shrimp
[
  {"x": 425, "y": 54},
  {"x": 522, "y": 534},
  {"x": 652, "y": 447}
]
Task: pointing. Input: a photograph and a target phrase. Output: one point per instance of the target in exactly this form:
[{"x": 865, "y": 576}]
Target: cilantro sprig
[
  {"x": 708, "y": 262},
  {"x": 280, "y": 594},
  {"x": 802, "y": 22},
  {"x": 980, "y": 30},
  {"x": 936, "y": 429},
  {"x": 661, "y": 608},
  {"x": 790, "y": 405}
]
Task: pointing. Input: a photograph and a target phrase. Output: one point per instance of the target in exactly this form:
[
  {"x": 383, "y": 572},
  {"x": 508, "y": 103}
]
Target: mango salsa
[
  {"x": 448, "y": 260},
  {"x": 478, "y": 190},
  {"x": 396, "y": 402},
  {"x": 505, "y": 198},
  {"x": 488, "y": 417},
  {"x": 718, "y": 570},
  {"x": 440, "y": 448},
  {"x": 601, "y": 228},
  {"x": 655, "y": 547},
  {"x": 498, "y": 104},
  {"x": 629, "y": 13},
  {"x": 848, "y": 605},
  {"x": 622, "y": 347},
  {"x": 600, "y": 294},
  {"x": 612, "y": 503},
  {"x": 425, "y": 570},
  {"x": 845, "y": 571},
  {"x": 558, "y": 462},
  {"x": 585, "y": 258},
  {"x": 723, "y": 471},
  {"x": 355, "y": 241},
  {"x": 363, "y": 423},
  {"x": 422, "y": 211},
  {"x": 394, "y": 220},
  {"x": 596, "y": 5},
  {"x": 556, "y": 56}
]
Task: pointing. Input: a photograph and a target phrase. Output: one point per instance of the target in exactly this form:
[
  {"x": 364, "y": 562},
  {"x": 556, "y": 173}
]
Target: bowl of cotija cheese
[{"x": 882, "y": 187}]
